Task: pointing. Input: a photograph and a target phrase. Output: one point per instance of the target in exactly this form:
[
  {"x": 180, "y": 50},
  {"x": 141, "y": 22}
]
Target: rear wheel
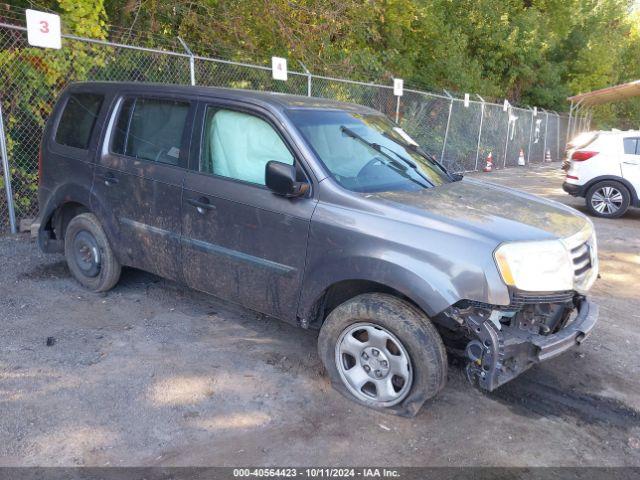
[
  {"x": 608, "y": 199},
  {"x": 89, "y": 255},
  {"x": 384, "y": 353}
]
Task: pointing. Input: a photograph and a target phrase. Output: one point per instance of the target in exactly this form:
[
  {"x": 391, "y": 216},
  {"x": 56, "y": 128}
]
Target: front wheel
[
  {"x": 608, "y": 199},
  {"x": 384, "y": 353}
]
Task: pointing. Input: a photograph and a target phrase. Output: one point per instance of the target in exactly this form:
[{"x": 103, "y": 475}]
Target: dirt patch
[{"x": 47, "y": 271}]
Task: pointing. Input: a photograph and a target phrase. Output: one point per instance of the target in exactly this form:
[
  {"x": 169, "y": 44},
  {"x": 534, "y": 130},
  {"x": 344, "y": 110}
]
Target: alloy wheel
[{"x": 607, "y": 200}]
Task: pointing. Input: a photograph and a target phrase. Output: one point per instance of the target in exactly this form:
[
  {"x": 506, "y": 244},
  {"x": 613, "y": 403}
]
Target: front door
[
  {"x": 241, "y": 241},
  {"x": 139, "y": 178},
  {"x": 631, "y": 162}
]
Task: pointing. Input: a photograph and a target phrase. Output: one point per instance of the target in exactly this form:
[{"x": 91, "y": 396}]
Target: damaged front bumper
[
  {"x": 573, "y": 334},
  {"x": 504, "y": 342}
]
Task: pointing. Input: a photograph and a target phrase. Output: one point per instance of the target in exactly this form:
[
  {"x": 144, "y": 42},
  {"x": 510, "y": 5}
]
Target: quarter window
[
  {"x": 631, "y": 146},
  {"x": 238, "y": 145},
  {"x": 151, "y": 129},
  {"x": 78, "y": 119}
]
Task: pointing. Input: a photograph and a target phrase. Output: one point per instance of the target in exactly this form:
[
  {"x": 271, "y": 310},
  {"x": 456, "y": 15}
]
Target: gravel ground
[{"x": 153, "y": 373}]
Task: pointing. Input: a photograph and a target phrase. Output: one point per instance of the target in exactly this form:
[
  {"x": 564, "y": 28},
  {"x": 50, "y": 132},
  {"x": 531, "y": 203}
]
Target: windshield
[{"x": 367, "y": 153}]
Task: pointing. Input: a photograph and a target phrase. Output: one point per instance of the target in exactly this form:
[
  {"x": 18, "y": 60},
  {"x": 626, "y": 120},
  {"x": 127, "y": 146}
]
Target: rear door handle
[
  {"x": 108, "y": 178},
  {"x": 202, "y": 204}
]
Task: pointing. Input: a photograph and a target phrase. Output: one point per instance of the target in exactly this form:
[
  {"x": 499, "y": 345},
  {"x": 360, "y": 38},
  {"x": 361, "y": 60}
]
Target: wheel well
[
  {"x": 340, "y": 292},
  {"x": 635, "y": 201},
  {"x": 62, "y": 216}
]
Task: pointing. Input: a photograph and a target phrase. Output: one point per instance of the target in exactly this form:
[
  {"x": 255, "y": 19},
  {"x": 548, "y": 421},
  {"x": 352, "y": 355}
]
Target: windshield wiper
[
  {"x": 378, "y": 148},
  {"x": 417, "y": 149}
]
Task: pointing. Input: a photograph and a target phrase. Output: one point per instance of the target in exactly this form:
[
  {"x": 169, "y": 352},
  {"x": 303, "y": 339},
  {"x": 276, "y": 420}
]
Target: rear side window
[
  {"x": 151, "y": 129},
  {"x": 78, "y": 119},
  {"x": 631, "y": 146}
]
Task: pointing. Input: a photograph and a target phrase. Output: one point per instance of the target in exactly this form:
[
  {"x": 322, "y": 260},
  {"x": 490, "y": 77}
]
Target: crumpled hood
[{"x": 490, "y": 210}]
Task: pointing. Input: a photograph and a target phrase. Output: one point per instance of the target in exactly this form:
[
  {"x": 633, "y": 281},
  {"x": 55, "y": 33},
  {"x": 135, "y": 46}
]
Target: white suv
[{"x": 604, "y": 168}]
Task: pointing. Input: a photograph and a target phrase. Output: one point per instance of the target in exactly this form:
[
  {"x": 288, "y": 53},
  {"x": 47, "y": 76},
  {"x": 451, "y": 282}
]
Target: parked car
[
  {"x": 604, "y": 168},
  {"x": 323, "y": 214}
]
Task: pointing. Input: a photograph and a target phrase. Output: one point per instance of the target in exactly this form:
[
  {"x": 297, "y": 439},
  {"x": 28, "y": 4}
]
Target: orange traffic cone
[
  {"x": 547, "y": 156},
  {"x": 521, "y": 158},
  {"x": 489, "y": 166}
]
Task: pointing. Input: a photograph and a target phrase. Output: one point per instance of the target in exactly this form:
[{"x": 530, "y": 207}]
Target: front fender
[
  {"x": 387, "y": 272},
  {"x": 433, "y": 264}
]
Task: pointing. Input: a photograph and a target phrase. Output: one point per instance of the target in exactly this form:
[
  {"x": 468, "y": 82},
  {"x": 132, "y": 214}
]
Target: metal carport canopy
[{"x": 616, "y": 93}]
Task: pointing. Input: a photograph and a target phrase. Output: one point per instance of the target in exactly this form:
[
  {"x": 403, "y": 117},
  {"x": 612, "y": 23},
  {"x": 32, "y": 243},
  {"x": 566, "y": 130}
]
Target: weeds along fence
[{"x": 460, "y": 135}]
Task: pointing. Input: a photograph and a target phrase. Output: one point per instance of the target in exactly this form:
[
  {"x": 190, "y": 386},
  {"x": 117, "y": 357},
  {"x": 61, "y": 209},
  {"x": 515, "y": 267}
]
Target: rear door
[
  {"x": 241, "y": 241},
  {"x": 630, "y": 165},
  {"x": 139, "y": 179}
]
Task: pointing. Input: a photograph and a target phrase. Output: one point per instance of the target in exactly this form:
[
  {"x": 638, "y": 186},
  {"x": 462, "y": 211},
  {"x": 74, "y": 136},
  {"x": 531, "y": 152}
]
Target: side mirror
[{"x": 281, "y": 179}]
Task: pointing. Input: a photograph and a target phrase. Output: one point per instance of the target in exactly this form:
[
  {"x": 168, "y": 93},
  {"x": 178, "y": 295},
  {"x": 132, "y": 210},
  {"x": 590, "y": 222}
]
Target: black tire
[
  {"x": 89, "y": 255},
  {"x": 597, "y": 188},
  {"x": 412, "y": 328}
]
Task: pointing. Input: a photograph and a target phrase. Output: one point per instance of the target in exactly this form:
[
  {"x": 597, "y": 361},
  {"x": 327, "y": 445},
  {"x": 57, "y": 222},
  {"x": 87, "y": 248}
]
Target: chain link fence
[{"x": 460, "y": 135}]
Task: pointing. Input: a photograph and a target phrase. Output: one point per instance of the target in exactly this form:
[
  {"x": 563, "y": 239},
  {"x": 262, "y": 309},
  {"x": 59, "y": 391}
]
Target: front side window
[
  {"x": 78, "y": 119},
  {"x": 367, "y": 153},
  {"x": 150, "y": 129},
  {"x": 631, "y": 146},
  {"x": 239, "y": 145}
]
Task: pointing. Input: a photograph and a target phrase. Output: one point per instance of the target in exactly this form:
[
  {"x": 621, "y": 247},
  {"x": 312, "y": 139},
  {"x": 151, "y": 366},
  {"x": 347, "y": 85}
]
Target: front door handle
[
  {"x": 202, "y": 204},
  {"x": 108, "y": 178}
]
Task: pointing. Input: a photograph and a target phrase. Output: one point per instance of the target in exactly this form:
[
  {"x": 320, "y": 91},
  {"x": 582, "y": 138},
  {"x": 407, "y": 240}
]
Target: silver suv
[{"x": 325, "y": 215}]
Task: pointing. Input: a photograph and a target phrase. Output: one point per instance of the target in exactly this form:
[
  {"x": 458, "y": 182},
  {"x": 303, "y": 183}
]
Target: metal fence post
[
  {"x": 546, "y": 124},
  {"x": 7, "y": 175},
  {"x": 306, "y": 70},
  {"x": 557, "y": 136},
  {"x": 192, "y": 61},
  {"x": 566, "y": 141},
  {"x": 446, "y": 131},
  {"x": 506, "y": 142},
  {"x": 530, "y": 135},
  {"x": 479, "y": 130}
]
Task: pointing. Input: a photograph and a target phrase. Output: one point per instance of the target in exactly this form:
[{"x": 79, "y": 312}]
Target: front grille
[
  {"x": 583, "y": 249},
  {"x": 581, "y": 257}
]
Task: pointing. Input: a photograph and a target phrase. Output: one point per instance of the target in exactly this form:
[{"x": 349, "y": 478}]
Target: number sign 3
[{"x": 43, "y": 29}]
